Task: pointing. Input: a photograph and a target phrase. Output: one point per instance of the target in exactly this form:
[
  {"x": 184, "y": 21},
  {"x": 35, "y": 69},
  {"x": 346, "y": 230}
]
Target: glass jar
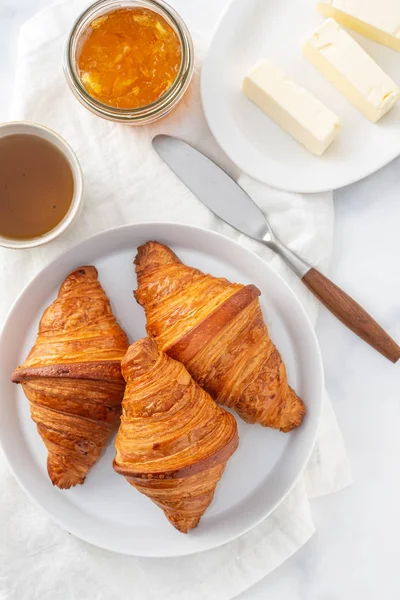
[{"x": 144, "y": 114}]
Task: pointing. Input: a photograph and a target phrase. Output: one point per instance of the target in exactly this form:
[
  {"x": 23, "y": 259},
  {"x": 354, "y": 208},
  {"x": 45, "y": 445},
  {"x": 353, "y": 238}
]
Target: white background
[{"x": 355, "y": 552}]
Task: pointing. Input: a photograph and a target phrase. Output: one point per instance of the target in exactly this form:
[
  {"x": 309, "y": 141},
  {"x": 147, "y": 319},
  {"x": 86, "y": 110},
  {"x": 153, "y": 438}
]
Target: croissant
[
  {"x": 173, "y": 441},
  {"x": 72, "y": 377},
  {"x": 216, "y": 329}
]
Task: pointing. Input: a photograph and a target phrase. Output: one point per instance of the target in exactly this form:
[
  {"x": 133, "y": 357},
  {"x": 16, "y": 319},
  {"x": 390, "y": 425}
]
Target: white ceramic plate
[
  {"x": 276, "y": 29},
  {"x": 106, "y": 510}
]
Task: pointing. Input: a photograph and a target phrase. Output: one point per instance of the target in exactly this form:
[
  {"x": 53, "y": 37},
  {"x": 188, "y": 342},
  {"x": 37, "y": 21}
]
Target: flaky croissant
[
  {"x": 216, "y": 329},
  {"x": 174, "y": 441},
  {"x": 72, "y": 377}
]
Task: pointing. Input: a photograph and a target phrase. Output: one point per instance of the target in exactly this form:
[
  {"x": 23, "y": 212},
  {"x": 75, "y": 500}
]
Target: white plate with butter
[{"x": 277, "y": 30}]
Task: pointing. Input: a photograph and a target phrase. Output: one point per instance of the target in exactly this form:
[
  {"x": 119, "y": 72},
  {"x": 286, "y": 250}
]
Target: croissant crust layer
[
  {"x": 72, "y": 377},
  {"x": 100, "y": 371},
  {"x": 217, "y": 330},
  {"x": 174, "y": 441}
]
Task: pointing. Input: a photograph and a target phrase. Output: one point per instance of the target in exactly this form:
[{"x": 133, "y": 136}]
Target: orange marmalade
[{"x": 128, "y": 58}]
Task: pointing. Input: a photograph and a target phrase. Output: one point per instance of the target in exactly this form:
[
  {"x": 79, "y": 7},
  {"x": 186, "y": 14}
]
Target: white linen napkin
[{"x": 126, "y": 182}]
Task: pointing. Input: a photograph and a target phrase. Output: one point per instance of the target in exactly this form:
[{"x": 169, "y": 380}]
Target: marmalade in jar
[{"x": 128, "y": 58}]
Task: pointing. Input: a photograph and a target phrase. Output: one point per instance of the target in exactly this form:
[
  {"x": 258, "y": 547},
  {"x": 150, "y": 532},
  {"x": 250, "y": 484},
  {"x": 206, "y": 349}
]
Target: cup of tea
[{"x": 41, "y": 185}]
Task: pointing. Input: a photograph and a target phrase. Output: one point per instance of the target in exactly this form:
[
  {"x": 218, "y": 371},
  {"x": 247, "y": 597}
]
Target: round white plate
[
  {"x": 277, "y": 29},
  {"x": 106, "y": 510}
]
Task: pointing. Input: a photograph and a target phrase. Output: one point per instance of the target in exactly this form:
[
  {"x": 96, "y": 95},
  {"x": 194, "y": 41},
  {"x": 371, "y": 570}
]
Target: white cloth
[{"x": 126, "y": 182}]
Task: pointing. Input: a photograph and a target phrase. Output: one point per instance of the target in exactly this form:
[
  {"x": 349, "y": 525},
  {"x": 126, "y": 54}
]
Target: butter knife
[{"x": 228, "y": 201}]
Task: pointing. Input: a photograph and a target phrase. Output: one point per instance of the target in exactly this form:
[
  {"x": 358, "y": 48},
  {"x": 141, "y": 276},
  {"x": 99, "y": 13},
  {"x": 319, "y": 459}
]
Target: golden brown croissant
[
  {"x": 174, "y": 441},
  {"x": 72, "y": 377},
  {"x": 216, "y": 329}
]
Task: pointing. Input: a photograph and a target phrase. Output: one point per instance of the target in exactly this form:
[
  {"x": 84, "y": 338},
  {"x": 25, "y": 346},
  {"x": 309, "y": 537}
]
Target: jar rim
[{"x": 148, "y": 112}]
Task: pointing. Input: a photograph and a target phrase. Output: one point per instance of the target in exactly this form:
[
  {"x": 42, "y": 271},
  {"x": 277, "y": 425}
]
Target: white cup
[{"x": 26, "y": 127}]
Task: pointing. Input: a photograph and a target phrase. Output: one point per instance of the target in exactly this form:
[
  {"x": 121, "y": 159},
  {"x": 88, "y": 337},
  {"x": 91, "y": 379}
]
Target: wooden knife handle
[{"x": 351, "y": 314}]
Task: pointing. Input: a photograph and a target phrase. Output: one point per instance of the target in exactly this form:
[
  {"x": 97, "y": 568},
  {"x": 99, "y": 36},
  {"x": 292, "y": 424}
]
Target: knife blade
[{"x": 213, "y": 186}]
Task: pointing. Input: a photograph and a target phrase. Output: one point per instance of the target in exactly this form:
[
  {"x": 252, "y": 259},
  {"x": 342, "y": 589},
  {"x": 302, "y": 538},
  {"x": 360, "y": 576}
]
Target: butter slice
[
  {"x": 378, "y": 20},
  {"x": 292, "y": 107},
  {"x": 351, "y": 70}
]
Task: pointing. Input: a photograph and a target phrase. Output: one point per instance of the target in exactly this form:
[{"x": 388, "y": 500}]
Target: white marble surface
[{"x": 354, "y": 553}]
